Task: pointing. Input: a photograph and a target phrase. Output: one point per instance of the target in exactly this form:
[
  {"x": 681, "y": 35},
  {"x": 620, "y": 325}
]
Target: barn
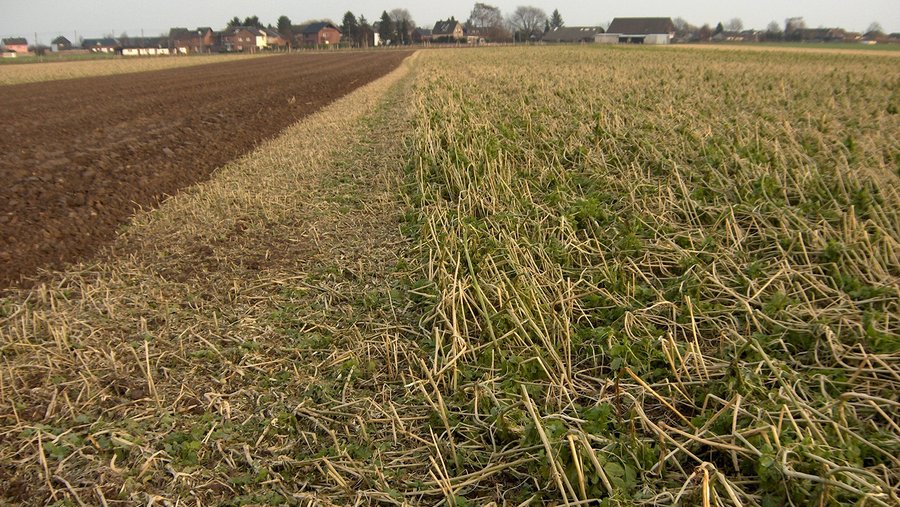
[
  {"x": 572, "y": 34},
  {"x": 638, "y": 31},
  {"x": 106, "y": 45}
]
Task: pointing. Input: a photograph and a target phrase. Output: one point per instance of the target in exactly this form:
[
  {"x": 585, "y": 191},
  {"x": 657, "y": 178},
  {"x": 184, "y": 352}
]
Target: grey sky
[{"x": 93, "y": 18}]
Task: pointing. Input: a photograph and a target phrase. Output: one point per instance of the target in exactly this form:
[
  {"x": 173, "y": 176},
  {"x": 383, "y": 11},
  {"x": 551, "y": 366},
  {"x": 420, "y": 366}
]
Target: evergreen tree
[
  {"x": 285, "y": 30},
  {"x": 556, "y": 20},
  {"x": 364, "y": 36},
  {"x": 253, "y": 21},
  {"x": 350, "y": 27},
  {"x": 386, "y": 28}
]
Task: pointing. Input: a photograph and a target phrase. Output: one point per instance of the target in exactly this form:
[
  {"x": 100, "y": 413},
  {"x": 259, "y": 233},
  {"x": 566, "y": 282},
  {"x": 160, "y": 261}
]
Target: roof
[
  {"x": 180, "y": 33},
  {"x": 61, "y": 40},
  {"x": 572, "y": 33},
  {"x": 146, "y": 42},
  {"x": 91, "y": 43},
  {"x": 641, "y": 26},
  {"x": 313, "y": 28},
  {"x": 15, "y": 41},
  {"x": 821, "y": 32},
  {"x": 235, "y": 29},
  {"x": 445, "y": 27}
]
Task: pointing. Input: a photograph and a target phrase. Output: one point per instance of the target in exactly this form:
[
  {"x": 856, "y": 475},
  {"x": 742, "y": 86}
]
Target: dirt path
[{"x": 78, "y": 157}]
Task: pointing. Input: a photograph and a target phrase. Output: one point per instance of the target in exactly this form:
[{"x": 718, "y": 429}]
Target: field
[
  {"x": 30, "y": 70},
  {"x": 636, "y": 276},
  {"x": 832, "y": 48},
  {"x": 80, "y": 156}
]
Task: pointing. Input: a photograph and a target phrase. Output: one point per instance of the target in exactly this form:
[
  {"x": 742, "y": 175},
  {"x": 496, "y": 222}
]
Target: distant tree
[
  {"x": 704, "y": 33},
  {"x": 235, "y": 21},
  {"x": 735, "y": 25},
  {"x": 793, "y": 27},
  {"x": 773, "y": 31},
  {"x": 253, "y": 21},
  {"x": 556, "y": 20},
  {"x": 684, "y": 31},
  {"x": 285, "y": 30},
  {"x": 403, "y": 25},
  {"x": 719, "y": 28},
  {"x": 350, "y": 27},
  {"x": 386, "y": 28},
  {"x": 365, "y": 34},
  {"x": 527, "y": 22},
  {"x": 488, "y": 22},
  {"x": 875, "y": 29}
]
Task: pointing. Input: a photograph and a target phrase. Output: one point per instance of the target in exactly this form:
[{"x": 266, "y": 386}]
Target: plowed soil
[{"x": 78, "y": 157}]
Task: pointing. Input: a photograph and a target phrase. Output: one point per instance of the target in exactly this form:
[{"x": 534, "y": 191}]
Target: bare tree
[
  {"x": 735, "y": 25},
  {"x": 792, "y": 27},
  {"x": 875, "y": 28},
  {"x": 488, "y": 22},
  {"x": 527, "y": 22},
  {"x": 403, "y": 24},
  {"x": 773, "y": 31}
]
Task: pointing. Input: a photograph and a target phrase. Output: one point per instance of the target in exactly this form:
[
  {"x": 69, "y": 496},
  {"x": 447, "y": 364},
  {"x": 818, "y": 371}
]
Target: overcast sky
[{"x": 94, "y": 18}]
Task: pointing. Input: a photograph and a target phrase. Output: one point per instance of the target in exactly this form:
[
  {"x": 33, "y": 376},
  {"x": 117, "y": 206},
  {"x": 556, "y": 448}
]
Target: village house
[
  {"x": 243, "y": 39},
  {"x": 450, "y": 30},
  {"x": 105, "y": 45},
  {"x": 274, "y": 39},
  {"x": 60, "y": 44},
  {"x": 184, "y": 41},
  {"x": 321, "y": 33},
  {"x": 638, "y": 31},
  {"x": 572, "y": 34},
  {"x": 18, "y": 45}
]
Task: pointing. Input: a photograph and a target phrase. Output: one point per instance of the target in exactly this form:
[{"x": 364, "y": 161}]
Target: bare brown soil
[{"x": 78, "y": 157}]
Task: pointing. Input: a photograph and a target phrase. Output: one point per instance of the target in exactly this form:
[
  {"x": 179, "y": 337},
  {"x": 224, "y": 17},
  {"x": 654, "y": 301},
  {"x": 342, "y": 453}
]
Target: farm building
[
  {"x": 243, "y": 39},
  {"x": 822, "y": 34},
  {"x": 321, "y": 33},
  {"x": 102, "y": 45},
  {"x": 450, "y": 30},
  {"x": 572, "y": 34},
  {"x": 60, "y": 44},
  {"x": 19, "y": 45},
  {"x": 201, "y": 40},
  {"x": 638, "y": 31},
  {"x": 148, "y": 46}
]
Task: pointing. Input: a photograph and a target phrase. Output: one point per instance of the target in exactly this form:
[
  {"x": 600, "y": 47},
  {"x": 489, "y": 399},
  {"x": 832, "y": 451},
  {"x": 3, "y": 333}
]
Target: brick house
[
  {"x": 243, "y": 39},
  {"x": 17, "y": 44},
  {"x": 201, "y": 40},
  {"x": 322, "y": 33},
  {"x": 450, "y": 30},
  {"x": 274, "y": 39}
]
